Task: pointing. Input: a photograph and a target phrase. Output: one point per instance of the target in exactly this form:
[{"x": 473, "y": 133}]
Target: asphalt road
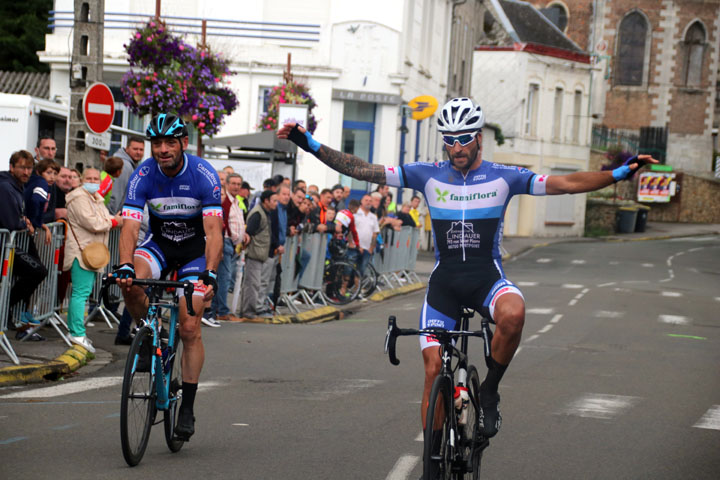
[{"x": 616, "y": 378}]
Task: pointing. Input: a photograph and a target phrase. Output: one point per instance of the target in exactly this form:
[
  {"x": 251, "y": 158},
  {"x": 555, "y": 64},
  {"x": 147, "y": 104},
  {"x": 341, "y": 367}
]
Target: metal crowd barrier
[
  {"x": 43, "y": 302},
  {"x": 311, "y": 281},
  {"x": 6, "y": 252},
  {"x": 396, "y": 264},
  {"x": 115, "y": 293},
  {"x": 289, "y": 279}
]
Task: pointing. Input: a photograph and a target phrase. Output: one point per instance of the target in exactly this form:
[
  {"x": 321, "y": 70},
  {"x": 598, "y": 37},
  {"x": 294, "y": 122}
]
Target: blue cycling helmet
[{"x": 166, "y": 125}]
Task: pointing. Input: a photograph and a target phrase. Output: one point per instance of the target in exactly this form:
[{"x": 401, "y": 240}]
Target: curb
[
  {"x": 68, "y": 362},
  {"x": 328, "y": 313},
  {"x": 384, "y": 295}
]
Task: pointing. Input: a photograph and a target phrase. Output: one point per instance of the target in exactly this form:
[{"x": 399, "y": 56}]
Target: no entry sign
[{"x": 98, "y": 108}]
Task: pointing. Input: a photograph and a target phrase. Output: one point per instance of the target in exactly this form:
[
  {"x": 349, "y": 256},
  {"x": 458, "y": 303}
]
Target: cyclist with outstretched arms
[
  {"x": 182, "y": 193},
  {"x": 467, "y": 198}
]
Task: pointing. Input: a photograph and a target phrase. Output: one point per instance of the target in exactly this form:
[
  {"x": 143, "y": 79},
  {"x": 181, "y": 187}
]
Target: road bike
[
  {"x": 341, "y": 279},
  {"x": 152, "y": 379},
  {"x": 453, "y": 445}
]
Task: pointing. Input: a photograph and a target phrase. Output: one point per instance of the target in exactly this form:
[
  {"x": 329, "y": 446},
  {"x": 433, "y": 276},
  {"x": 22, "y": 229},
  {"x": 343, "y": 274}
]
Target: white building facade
[
  {"x": 539, "y": 97},
  {"x": 361, "y": 60}
]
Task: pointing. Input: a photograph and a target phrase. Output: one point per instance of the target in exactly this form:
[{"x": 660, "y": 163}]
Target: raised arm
[
  {"x": 580, "y": 182},
  {"x": 344, "y": 163}
]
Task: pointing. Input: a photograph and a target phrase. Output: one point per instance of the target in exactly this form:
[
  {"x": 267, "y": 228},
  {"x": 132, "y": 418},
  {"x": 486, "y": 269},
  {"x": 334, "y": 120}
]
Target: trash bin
[
  {"x": 625, "y": 219},
  {"x": 642, "y": 216}
]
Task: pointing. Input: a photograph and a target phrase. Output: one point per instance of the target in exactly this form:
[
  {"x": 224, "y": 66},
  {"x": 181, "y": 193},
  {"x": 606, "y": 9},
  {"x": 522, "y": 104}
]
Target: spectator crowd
[{"x": 256, "y": 222}]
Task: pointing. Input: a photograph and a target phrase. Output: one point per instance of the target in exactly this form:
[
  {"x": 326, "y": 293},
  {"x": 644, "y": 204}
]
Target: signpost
[{"x": 98, "y": 108}]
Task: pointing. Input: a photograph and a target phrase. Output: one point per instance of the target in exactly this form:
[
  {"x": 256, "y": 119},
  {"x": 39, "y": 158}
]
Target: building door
[{"x": 357, "y": 139}]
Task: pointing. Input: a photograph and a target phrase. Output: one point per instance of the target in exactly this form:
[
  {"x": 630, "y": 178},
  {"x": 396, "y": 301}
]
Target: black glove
[
  {"x": 124, "y": 271},
  {"x": 209, "y": 278},
  {"x": 304, "y": 140}
]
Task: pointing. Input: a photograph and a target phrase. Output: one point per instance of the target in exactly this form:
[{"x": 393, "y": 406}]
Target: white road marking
[
  {"x": 578, "y": 262},
  {"x": 617, "y": 289},
  {"x": 540, "y": 311},
  {"x": 696, "y": 249},
  {"x": 717, "y": 299},
  {"x": 579, "y": 296},
  {"x": 648, "y": 265},
  {"x": 711, "y": 419},
  {"x": 674, "y": 319},
  {"x": 572, "y": 302},
  {"x": 601, "y": 406},
  {"x": 572, "y": 285},
  {"x": 67, "y": 388},
  {"x": 585, "y": 290},
  {"x": 608, "y": 314},
  {"x": 346, "y": 387},
  {"x": 420, "y": 437},
  {"x": 532, "y": 337},
  {"x": 240, "y": 425},
  {"x": 614, "y": 263},
  {"x": 609, "y": 284},
  {"x": 546, "y": 328},
  {"x": 403, "y": 467},
  {"x": 671, "y": 294},
  {"x": 556, "y": 318},
  {"x": 526, "y": 284},
  {"x": 544, "y": 260}
]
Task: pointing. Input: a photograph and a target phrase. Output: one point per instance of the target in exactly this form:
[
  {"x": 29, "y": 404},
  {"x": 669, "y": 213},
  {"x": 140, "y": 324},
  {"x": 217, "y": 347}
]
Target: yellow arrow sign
[{"x": 423, "y": 106}]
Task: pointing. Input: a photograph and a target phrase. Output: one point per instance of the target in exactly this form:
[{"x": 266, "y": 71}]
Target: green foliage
[
  {"x": 23, "y": 26},
  {"x": 594, "y": 232},
  {"x": 499, "y": 137}
]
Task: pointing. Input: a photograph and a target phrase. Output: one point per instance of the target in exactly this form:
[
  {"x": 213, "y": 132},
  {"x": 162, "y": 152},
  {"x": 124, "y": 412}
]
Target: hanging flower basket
[
  {"x": 293, "y": 93},
  {"x": 175, "y": 77}
]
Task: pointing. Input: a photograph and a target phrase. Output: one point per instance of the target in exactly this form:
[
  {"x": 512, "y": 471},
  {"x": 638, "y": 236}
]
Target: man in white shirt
[{"x": 366, "y": 224}]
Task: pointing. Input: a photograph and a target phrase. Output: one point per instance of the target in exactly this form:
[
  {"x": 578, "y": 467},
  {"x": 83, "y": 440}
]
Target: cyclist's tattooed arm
[
  {"x": 351, "y": 165},
  {"x": 342, "y": 162}
]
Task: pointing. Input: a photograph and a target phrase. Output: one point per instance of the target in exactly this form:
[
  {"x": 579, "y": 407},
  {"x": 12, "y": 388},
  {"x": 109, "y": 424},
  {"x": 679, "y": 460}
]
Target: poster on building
[{"x": 656, "y": 187}]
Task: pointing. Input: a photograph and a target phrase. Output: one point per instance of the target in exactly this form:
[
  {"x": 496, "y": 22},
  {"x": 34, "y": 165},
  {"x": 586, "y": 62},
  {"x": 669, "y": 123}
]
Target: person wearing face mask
[{"x": 89, "y": 221}]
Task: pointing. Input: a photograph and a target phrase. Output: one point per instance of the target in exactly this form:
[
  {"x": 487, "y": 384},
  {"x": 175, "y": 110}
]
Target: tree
[{"x": 23, "y": 26}]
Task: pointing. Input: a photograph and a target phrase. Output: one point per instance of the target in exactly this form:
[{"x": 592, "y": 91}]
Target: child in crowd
[{"x": 113, "y": 169}]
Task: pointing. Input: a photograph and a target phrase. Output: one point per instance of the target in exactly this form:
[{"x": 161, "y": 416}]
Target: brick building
[{"x": 657, "y": 67}]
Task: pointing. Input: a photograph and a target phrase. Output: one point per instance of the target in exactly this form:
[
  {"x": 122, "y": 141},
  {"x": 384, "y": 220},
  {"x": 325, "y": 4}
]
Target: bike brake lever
[
  {"x": 391, "y": 340},
  {"x": 188, "y": 289},
  {"x": 105, "y": 294}
]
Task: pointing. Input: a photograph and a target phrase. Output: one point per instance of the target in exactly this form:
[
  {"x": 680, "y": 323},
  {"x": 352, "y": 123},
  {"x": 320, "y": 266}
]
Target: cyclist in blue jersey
[
  {"x": 182, "y": 193},
  {"x": 467, "y": 198}
]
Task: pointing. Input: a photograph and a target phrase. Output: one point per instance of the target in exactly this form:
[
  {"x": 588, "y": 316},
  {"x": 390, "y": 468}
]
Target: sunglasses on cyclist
[{"x": 464, "y": 139}]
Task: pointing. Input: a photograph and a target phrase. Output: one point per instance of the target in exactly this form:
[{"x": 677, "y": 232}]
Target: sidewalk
[{"x": 52, "y": 359}]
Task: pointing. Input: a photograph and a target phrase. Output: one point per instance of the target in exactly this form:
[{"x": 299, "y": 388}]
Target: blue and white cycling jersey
[
  {"x": 467, "y": 211},
  {"x": 176, "y": 204}
]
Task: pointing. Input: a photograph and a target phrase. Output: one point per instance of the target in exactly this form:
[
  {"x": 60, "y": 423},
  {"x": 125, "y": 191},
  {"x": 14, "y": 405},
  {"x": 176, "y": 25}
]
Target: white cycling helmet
[{"x": 460, "y": 114}]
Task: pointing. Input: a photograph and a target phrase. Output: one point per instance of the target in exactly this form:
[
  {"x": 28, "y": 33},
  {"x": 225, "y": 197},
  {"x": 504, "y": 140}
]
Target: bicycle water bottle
[{"x": 462, "y": 399}]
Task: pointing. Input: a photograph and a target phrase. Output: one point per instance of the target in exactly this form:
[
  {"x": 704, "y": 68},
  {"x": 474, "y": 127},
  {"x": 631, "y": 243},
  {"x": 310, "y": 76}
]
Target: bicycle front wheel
[
  {"x": 174, "y": 365},
  {"x": 437, "y": 452},
  {"x": 369, "y": 281},
  {"x": 137, "y": 404},
  {"x": 472, "y": 442},
  {"x": 341, "y": 283}
]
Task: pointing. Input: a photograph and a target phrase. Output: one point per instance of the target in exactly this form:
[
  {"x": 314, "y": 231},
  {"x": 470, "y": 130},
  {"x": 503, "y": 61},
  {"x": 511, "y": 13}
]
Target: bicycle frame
[
  {"x": 152, "y": 320},
  {"x": 162, "y": 381}
]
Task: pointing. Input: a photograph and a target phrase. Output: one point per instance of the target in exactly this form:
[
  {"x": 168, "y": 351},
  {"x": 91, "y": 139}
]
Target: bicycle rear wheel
[
  {"x": 472, "y": 442},
  {"x": 369, "y": 281},
  {"x": 137, "y": 404},
  {"x": 437, "y": 451},
  {"x": 174, "y": 365},
  {"x": 341, "y": 283}
]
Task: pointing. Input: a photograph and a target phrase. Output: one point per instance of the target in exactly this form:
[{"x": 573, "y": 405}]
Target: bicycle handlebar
[
  {"x": 187, "y": 286},
  {"x": 394, "y": 331}
]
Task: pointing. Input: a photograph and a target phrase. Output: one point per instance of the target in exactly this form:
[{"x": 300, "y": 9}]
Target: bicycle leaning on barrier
[
  {"x": 152, "y": 379},
  {"x": 453, "y": 441}
]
